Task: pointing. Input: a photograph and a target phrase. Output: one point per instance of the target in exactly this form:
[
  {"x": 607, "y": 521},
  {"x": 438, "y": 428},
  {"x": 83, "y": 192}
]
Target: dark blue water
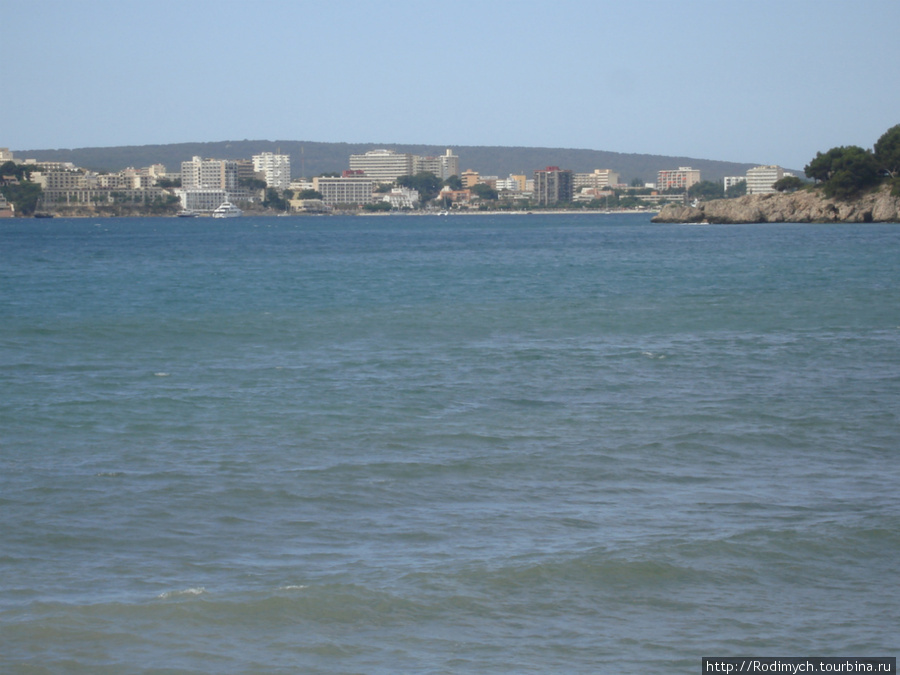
[{"x": 487, "y": 444}]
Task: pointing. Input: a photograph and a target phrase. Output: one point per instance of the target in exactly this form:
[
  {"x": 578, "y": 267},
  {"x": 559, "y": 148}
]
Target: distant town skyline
[{"x": 766, "y": 82}]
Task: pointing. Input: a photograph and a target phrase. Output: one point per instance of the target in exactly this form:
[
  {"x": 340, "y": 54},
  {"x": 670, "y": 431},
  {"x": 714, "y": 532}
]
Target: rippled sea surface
[{"x": 487, "y": 444}]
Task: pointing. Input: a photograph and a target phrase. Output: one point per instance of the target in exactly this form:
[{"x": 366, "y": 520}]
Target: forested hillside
[{"x": 311, "y": 159}]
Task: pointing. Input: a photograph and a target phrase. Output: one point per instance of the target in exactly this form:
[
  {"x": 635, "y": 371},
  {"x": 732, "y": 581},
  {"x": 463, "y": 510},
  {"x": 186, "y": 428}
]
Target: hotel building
[
  {"x": 761, "y": 179},
  {"x": 382, "y": 166},
  {"x": 680, "y": 179},
  {"x": 220, "y": 174},
  {"x": 347, "y": 190}
]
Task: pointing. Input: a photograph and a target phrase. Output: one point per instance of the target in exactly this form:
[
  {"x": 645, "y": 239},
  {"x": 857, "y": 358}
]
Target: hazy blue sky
[{"x": 767, "y": 81}]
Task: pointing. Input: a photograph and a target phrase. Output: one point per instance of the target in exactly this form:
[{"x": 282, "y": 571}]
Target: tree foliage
[
  {"x": 274, "y": 200},
  {"x": 21, "y": 172},
  {"x": 788, "y": 184},
  {"x": 844, "y": 171},
  {"x": 887, "y": 151},
  {"x": 707, "y": 189},
  {"x": 485, "y": 191},
  {"x": 253, "y": 183},
  {"x": 738, "y": 189},
  {"x": 426, "y": 183},
  {"x": 24, "y": 195}
]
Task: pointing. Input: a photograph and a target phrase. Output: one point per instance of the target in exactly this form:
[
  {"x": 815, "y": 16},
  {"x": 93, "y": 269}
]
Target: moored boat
[{"x": 227, "y": 210}]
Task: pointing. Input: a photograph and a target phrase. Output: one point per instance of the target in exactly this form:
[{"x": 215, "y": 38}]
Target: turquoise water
[{"x": 487, "y": 444}]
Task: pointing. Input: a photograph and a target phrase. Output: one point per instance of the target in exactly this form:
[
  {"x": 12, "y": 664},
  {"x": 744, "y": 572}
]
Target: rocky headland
[{"x": 803, "y": 206}]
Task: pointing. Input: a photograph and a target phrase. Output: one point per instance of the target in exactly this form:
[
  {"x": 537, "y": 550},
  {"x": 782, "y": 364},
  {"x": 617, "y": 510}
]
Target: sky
[{"x": 767, "y": 81}]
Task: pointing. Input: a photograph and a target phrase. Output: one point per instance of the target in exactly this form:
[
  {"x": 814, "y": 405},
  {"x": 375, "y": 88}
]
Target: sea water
[{"x": 486, "y": 444}]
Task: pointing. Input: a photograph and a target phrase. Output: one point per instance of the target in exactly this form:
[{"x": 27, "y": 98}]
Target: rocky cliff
[{"x": 803, "y": 206}]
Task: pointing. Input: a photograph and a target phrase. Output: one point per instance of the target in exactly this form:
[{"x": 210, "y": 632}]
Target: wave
[{"x": 187, "y": 592}]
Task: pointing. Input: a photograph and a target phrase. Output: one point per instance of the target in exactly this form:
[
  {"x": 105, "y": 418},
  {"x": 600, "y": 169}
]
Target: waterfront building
[
  {"x": 309, "y": 206},
  {"x": 383, "y": 166},
  {"x": 346, "y": 190},
  {"x": 553, "y": 185},
  {"x": 276, "y": 169},
  {"x": 77, "y": 186},
  {"x": 6, "y": 155},
  {"x": 456, "y": 197},
  {"x": 469, "y": 178},
  {"x": 301, "y": 184},
  {"x": 60, "y": 180},
  {"x": 761, "y": 179},
  {"x": 443, "y": 166},
  {"x": 731, "y": 181},
  {"x": 589, "y": 194},
  {"x": 401, "y": 198},
  {"x": 680, "y": 179},
  {"x": 50, "y": 165},
  {"x": 209, "y": 174},
  {"x": 600, "y": 178},
  {"x": 245, "y": 172},
  {"x": 202, "y": 200},
  {"x": 511, "y": 184}
]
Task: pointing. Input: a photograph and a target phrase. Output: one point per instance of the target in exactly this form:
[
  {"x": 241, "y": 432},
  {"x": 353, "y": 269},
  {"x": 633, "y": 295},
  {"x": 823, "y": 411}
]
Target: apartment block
[
  {"x": 275, "y": 168},
  {"x": 553, "y": 185},
  {"x": 443, "y": 167},
  {"x": 677, "y": 179},
  {"x": 600, "y": 178},
  {"x": 218, "y": 174},
  {"x": 469, "y": 178}
]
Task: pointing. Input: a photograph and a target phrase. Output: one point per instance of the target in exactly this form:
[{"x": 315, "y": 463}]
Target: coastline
[
  {"x": 365, "y": 214},
  {"x": 803, "y": 206}
]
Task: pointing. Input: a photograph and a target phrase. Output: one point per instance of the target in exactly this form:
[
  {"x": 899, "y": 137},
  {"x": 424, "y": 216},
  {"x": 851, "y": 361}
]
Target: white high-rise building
[
  {"x": 275, "y": 168},
  {"x": 449, "y": 165},
  {"x": 383, "y": 166},
  {"x": 442, "y": 166},
  {"x": 216, "y": 174},
  {"x": 761, "y": 179}
]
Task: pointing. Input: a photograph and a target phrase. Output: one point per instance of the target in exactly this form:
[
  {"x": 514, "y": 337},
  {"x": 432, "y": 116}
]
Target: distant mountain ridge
[{"x": 310, "y": 158}]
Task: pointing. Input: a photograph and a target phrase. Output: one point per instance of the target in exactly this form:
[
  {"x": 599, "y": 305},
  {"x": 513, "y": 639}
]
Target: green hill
[{"x": 311, "y": 158}]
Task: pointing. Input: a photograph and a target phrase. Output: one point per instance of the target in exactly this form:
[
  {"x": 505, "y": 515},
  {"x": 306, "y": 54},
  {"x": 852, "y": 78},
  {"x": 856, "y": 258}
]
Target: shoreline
[{"x": 364, "y": 214}]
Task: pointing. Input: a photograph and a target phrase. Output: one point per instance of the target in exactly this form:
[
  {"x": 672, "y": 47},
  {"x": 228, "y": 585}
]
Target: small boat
[
  {"x": 42, "y": 214},
  {"x": 186, "y": 214},
  {"x": 227, "y": 210}
]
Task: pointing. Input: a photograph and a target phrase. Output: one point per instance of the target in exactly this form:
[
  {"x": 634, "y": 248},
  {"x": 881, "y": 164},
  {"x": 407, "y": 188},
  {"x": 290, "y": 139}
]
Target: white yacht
[{"x": 227, "y": 210}]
